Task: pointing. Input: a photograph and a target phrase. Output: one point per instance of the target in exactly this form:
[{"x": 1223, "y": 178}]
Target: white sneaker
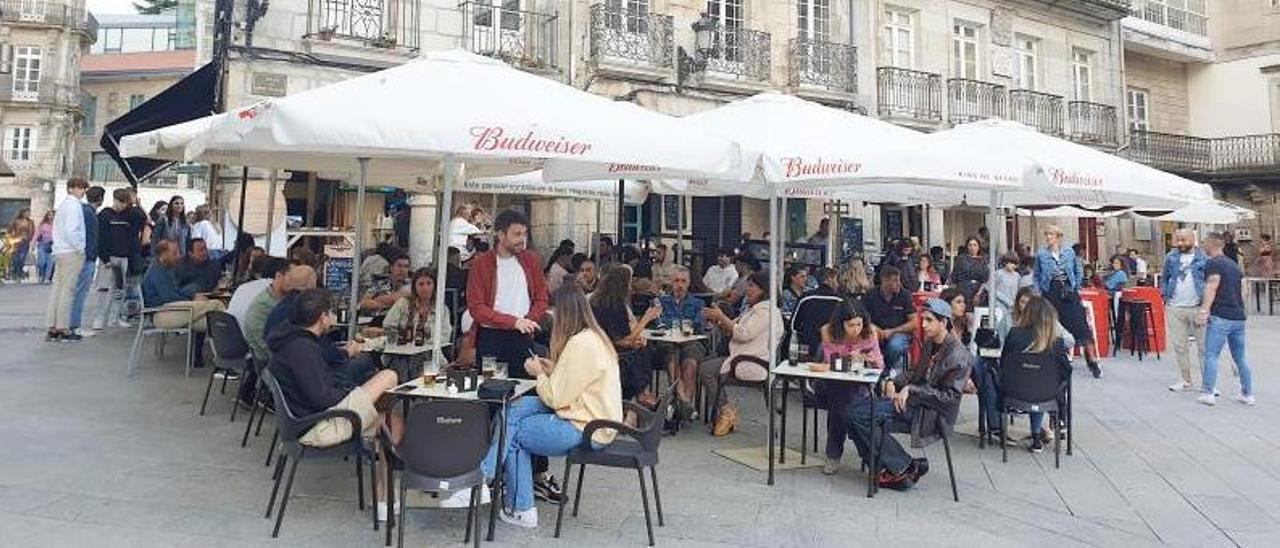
[
  {"x": 1247, "y": 400},
  {"x": 527, "y": 519},
  {"x": 1207, "y": 399},
  {"x": 1180, "y": 387},
  {"x": 382, "y": 510},
  {"x": 98, "y": 325},
  {"x": 122, "y": 324},
  {"x": 462, "y": 498}
]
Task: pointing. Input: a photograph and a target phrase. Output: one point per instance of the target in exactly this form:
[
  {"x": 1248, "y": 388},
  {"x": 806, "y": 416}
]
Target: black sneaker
[
  {"x": 71, "y": 336},
  {"x": 918, "y": 468},
  {"x": 52, "y": 336},
  {"x": 545, "y": 488},
  {"x": 1095, "y": 369},
  {"x": 1036, "y": 445}
]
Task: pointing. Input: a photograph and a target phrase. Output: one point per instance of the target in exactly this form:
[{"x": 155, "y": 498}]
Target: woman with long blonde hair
[
  {"x": 1037, "y": 332},
  {"x": 577, "y": 385}
]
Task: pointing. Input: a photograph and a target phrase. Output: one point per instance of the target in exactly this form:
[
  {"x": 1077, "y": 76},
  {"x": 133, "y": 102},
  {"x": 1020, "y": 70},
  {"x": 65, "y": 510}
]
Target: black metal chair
[
  {"x": 444, "y": 443},
  {"x": 877, "y": 425},
  {"x": 635, "y": 448},
  {"x": 290, "y": 428},
  {"x": 1032, "y": 382},
  {"x": 731, "y": 378},
  {"x": 1141, "y": 318},
  {"x": 230, "y": 353},
  {"x": 812, "y": 312}
]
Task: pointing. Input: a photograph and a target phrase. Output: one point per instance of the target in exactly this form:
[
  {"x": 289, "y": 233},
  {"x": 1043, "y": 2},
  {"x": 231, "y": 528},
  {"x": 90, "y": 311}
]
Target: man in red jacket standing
[{"x": 507, "y": 296}]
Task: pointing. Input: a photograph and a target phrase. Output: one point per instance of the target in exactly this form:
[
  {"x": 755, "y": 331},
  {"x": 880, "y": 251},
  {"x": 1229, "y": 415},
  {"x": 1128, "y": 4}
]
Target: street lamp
[{"x": 704, "y": 47}]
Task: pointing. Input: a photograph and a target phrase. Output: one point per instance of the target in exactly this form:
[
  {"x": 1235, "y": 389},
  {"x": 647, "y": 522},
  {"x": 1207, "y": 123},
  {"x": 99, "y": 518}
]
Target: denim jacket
[
  {"x": 1044, "y": 269},
  {"x": 688, "y": 309},
  {"x": 1173, "y": 270}
]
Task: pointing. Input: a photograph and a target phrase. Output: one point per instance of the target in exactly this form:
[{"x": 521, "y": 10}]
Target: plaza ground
[{"x": 90, "y": 458}]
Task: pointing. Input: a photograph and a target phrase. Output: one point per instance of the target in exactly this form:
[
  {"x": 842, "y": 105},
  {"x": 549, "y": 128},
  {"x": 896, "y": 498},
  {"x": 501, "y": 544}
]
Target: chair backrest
[
  {"x": 445, "y": 438},
  {"x": 650, "y": 423},
  {"x": 228, "y": 340},
  {"x": 1030, "y": 377},
  {"x": 287, "y": 423},
  {"x": 811, "y": 314}
]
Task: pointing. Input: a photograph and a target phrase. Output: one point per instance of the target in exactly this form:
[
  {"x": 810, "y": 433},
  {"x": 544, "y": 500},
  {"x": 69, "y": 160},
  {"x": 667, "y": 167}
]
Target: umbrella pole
[
  {"x": 244, "y": 185},
  {"x": 353, "y": 304},
  {"x": 992, "y": 219},
  {"x": 271, "y": 211},
  {"x": 595, "y": 240},
  {"x": 621, "y": 211},
  {"x": 442, "y": 255},
  {"x": 679, "y": 233},
  {"x": 773, "y": 302}
]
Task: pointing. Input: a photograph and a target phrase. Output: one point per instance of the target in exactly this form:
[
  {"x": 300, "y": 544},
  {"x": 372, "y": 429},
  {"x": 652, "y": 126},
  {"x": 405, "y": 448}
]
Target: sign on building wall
[{"x": 270, "y": 84}]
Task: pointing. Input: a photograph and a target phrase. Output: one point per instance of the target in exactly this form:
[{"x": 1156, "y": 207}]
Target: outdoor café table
[
  {"x": 670, "y": 338},
  {"x": 416, "y": 389},
  {"x": 784, "y": 372}
]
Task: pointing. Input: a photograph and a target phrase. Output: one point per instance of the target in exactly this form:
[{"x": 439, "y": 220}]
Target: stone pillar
[
  {"x": 423, "y": 221},
  {"x": 937, "y": 227}
]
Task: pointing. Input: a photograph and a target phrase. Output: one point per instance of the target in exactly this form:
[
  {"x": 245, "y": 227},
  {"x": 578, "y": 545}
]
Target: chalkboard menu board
[
  {"x": 337, "y": 275},
  {"x": 671, "y": 212},
  {"x": 850, "y": 239}
]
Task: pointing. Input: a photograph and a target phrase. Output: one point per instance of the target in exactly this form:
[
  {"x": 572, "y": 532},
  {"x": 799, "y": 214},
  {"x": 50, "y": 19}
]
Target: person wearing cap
[{"x": 912, "y": 400}]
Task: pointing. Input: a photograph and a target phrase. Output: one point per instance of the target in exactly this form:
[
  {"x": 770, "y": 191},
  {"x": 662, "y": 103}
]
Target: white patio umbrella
[
  {"x": 532, "y": 184},
  {"x": 451, "y": 109},
  {"x": 1214, "y": 212}
]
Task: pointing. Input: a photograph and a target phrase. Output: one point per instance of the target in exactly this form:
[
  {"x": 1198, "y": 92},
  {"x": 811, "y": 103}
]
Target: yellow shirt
[{"x": 584, "y": 385}]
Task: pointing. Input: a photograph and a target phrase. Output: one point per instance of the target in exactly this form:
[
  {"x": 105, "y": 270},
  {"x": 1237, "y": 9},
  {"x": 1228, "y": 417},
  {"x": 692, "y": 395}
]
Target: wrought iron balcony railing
[
  {"x": 39, "y": 12},
  {"x": 42, "y": 93},
  {"x": 973, "y": 100},
  {"x": 387, "y": 24},
  {"x": 742, "y": 53},
  {"x": 629, "y": 36},
  {"x": 44, "y": 162},
  {"x": 1221, "y": 156},
  {"x": 1172, "y": 14},
  {"x": 824, "y": 64},
  {"x": 1042, "y": 111},
  {"x": 526, "y": 39},
  {"x": 1093, "y": 123},
  {"x": 909, "y": 93}
]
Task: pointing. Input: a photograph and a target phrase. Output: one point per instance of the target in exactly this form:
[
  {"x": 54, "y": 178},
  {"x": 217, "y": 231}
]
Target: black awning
[{"x": 192, "y": 97}]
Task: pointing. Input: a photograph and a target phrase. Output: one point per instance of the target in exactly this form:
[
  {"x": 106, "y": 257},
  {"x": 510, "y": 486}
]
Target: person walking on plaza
[
  {"x": 90, "y": 211},
  {"x": 117, "y": 243},
  {"x": 507, "y": 298},
  {"x": 1058, "y": 276},
  {"x": 160, "y": 288},
  {"x": 1222, "y": 315},
  {"x": 44, "y": 248},
  {"x": 912, "y": 401},
  {"x": 68, "y": 258},
  {"x": 20, "y": 231},
  {"x": 1182, "y": 286}
]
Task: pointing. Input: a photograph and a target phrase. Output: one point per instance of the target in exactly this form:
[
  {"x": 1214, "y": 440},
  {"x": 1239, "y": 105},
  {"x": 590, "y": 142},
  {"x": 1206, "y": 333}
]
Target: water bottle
[{"x": 793, "y": 353}]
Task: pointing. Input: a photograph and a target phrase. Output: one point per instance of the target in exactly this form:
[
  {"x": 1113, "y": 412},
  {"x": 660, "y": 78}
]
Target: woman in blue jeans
[{"x": 579, "y": 384}]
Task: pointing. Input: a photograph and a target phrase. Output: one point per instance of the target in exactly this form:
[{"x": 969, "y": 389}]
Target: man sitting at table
[
  {"x": 350, "y": 363},
  {"x": 297, "y": 362},
  {"x": 383, "y": 293},
  {"x": 912, "y": 401},
  {"x": 894, "y": 316},
  {"x": 197, "y": 271},
  {"x": 720, "y": 278},
  {"x": 256, "y": 326},
  {"x": 160, "y": 289},
  {"x": 682, "y": 360}
]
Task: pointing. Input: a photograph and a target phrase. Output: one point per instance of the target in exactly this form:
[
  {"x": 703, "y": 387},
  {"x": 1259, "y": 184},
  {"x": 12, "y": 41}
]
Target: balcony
[
  {"x": 524, "y": 39},
  {"x": 1093, "y": 123},
  {"x": 1105, "y": 9},
  {"x": 825, "y": 66},
  {"x": 740, "y": 54},
  {"x": 1162, "y": 13},
  {"x": 1042, "y": 111},
  {"x": 40, "y": 163},
  {"x": 384, "y": 24},
  {"x": 632, "y": 42},
  {"x": 1206, "y": 157},
  {"x": 972, "y": 100},
  {"x": 910, "y": 94},
  {"x": 40, "y": 94},
  {"x": 50, "y": 14}
]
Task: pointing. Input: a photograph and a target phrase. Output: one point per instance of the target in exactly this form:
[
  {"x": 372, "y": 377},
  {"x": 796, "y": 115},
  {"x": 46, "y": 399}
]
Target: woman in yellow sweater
[{"x": 577, "y": 385}]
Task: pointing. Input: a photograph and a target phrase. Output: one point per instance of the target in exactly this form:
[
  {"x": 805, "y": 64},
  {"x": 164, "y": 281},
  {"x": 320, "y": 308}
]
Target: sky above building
[{"x": 111, "y": 6}]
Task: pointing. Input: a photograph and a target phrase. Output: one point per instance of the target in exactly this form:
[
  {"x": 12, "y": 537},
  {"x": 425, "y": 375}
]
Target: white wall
[{"x": 1232, "y": 98}]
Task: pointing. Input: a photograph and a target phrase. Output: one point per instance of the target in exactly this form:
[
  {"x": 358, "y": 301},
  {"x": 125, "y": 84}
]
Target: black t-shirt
[
  {"x": 614, "y": 321},
  {"x": 888, "y": 313},
  {"x": 1228, "y": 303}
]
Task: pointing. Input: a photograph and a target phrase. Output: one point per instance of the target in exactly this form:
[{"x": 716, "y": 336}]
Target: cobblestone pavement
[{"x": 90, "y": 458}]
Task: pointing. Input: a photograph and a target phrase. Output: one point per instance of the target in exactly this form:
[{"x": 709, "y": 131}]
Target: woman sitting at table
[
  {"x": 748, "y": 336},
  {"x": 926, "y": 274},
  {"x": 794, "y": 288},
  {"x": 610, "y": 305},
  {"x": 848, "y": 333},
  {"x": 413, "y": 313},
  {"x": 577, "y": 385},
  {"x": 1037, "y": 332},
  {"x": 961, "y": 322}
]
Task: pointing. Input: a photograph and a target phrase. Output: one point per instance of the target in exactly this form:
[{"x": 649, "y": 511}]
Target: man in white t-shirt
[
  {"x": 720, "y": 277},
  {"x": 461, "y": 229},
  {"x": 1182, "y": 286}
]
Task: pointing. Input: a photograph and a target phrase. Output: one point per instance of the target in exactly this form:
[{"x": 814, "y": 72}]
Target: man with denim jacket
[{"x": 1182, "y": 286}]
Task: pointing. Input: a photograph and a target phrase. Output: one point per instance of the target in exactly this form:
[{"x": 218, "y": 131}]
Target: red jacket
[{"x": 482, "y": 289}]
